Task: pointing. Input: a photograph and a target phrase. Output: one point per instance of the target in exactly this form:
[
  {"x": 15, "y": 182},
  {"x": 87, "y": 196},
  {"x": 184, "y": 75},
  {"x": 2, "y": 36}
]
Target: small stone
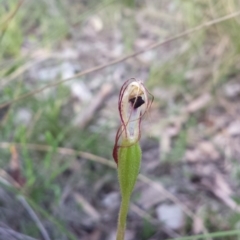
[
  {"x": 111, "y": 200},
  {"x": 80, "y": 91},
  {"x": 232, "y": 90},
  {"x": 171, "y": 215},
  {"x": 234, "y": 128},
  {"x": 23, "y": 116}
]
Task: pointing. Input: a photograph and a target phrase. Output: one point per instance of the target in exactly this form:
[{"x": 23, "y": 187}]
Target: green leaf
[{"x": 129, "y": 161}]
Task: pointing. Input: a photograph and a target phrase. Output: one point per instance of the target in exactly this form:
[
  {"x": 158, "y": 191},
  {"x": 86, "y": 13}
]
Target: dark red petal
[{"x": 115, "y": 154}]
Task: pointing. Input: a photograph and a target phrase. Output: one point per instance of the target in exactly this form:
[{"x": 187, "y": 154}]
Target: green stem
[{"x": 122, "y": 218}]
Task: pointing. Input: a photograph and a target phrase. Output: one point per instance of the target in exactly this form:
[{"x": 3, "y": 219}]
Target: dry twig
[
  {"x": 85, "y": 116},
  {"x": 122, "y": 59},
  {"x": 87, "y": 207},
  {"x": 34, "y": 217},
  {"x": 7, "y": 233},
  {"x": 11, "y": 15}
]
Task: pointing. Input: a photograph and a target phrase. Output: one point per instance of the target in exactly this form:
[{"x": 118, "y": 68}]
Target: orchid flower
[{"x": 133, "y": 104}]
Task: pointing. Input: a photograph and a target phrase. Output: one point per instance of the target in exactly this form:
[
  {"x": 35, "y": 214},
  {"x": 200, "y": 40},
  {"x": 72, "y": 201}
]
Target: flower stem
[{"x": 122, "y": 218}]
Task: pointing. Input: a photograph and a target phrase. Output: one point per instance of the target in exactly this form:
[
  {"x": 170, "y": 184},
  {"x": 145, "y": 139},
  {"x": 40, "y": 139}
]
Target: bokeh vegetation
[{"x": 40, "y": 136}]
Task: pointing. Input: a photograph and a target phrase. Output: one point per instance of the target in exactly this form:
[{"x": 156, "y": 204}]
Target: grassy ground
[{"x": 190, "y": 140}]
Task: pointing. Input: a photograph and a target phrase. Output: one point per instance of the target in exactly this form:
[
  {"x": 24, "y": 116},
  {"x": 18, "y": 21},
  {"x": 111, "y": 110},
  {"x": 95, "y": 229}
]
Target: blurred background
[{"x": 58, "y": 178}]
